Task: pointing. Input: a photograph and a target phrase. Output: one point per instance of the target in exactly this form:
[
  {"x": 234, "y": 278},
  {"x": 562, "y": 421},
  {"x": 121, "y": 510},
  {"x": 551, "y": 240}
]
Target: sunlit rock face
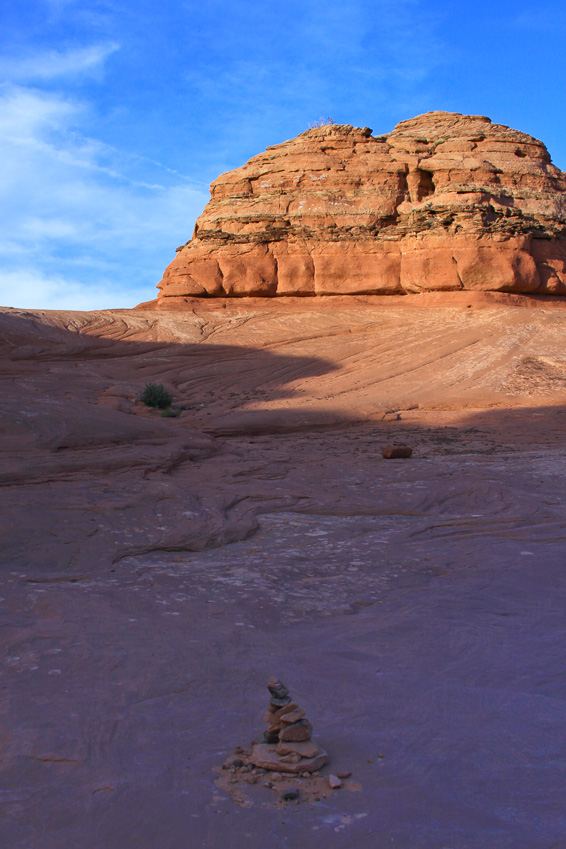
[{"x": 444, "y": 202}]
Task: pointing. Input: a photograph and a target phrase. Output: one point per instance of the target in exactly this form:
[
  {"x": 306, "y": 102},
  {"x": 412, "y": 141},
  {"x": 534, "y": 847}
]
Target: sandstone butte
[{"x": 444, "y": 202}]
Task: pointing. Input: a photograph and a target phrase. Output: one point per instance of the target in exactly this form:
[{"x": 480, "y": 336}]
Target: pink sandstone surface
[
  {"x": 154, "y": 572},
  {"x": 443, "y": 202}
]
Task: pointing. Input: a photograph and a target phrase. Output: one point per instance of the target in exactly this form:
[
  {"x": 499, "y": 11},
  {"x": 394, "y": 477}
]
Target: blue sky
[{"x": 116, "y": 116}]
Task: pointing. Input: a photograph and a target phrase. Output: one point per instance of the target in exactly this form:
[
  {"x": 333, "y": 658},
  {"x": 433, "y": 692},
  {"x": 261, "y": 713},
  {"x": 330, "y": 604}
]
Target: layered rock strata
[
  {"x": 444, "y": 202},
  {"x": 288, "y": 745}
]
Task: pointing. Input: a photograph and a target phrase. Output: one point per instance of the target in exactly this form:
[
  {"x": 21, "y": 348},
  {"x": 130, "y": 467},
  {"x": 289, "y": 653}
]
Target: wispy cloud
[
  {"x": 79, "y": 216},
  {"x": 52, "y": 64},
  {"x": 354, "y": 61},
  {"x": 29, "y": 288}
]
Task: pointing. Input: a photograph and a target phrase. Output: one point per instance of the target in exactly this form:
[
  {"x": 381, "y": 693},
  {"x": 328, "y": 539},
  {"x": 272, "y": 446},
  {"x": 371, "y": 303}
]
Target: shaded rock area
[
  {"x": 155, "y": 572},
  {"x": 444, "y": 202}
]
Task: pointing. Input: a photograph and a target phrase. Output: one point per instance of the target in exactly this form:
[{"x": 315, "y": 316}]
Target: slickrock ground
[
  {"x": 444, "y": 202},
  {"x": 155, "y": 572}
]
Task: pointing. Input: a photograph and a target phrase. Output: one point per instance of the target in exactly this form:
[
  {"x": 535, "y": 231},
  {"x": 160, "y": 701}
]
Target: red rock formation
[{"x": 444, "y": 202}]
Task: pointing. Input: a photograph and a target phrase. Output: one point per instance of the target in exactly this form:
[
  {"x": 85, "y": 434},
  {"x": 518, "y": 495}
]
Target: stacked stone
[{"x": 288, "y": 745}]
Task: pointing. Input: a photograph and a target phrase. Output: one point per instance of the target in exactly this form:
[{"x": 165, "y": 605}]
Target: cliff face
[{"x": 444, "y": 202}]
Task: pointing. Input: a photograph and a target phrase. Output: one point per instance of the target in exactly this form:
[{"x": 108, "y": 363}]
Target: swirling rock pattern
[
  {"x": 444, "y": 202},
  {"x": 153, "y": 572}
]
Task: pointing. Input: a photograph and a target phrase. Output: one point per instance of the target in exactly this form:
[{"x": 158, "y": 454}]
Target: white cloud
[
  {"x": 29, "y": 289},
  {"x": 26, "y": 112},
  {"x": 82, "y": 225},
  {"x": 51, "y": 64}
]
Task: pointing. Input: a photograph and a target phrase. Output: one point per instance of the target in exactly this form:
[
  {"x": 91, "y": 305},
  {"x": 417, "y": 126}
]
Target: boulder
[{"x": 396, "y": 452}]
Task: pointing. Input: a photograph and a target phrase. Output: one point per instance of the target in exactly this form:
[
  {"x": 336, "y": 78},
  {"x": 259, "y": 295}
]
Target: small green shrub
[
  {"x": 170, "y": 413},
  {"x": 155, "y": 395}
]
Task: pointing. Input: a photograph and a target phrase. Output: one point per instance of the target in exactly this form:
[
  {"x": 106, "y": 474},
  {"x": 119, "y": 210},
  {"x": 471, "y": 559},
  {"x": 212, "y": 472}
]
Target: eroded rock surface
[
  {"x": 154, "y": 572},
  {"x": 89, "y": 475},
  {"x": 444, "y": 202}
]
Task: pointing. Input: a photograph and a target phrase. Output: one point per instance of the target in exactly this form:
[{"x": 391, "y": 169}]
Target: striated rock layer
[{"x": 444, "y": 202}]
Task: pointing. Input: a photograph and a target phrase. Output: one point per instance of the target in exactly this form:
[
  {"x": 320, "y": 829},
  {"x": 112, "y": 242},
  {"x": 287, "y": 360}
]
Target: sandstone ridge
[{"x": 444, "y": 202}]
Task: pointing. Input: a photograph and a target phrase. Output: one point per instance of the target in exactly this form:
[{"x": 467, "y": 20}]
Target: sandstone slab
[
  {"x": 275, "y": 715},
  {"x": 291, "y": 758},
  {"x": 306, "y": 749},
  {"x": 293, "y": 716},
  {"x": 298, "y": 732},
  {"x": 266, "y": 757}
]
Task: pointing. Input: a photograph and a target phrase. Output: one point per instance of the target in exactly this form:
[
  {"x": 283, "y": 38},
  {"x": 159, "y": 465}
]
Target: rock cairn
[{"x": 288, "y": 745}]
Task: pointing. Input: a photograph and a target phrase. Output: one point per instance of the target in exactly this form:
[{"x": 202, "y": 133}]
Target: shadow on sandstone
[
  {"x": 538, "y": 424},
  {"x": 89, "y": 475}
]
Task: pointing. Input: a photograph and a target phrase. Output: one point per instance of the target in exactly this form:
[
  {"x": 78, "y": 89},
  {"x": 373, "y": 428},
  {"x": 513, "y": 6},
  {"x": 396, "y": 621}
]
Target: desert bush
[
  {"x": 156, "y": 395},
  {"x": 170, "y": 413},
  {"x": 322, "y": 122}
]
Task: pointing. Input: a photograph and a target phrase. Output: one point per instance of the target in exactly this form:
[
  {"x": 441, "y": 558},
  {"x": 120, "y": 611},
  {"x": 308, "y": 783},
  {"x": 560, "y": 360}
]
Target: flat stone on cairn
[{"x": 288, "y": 745}]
